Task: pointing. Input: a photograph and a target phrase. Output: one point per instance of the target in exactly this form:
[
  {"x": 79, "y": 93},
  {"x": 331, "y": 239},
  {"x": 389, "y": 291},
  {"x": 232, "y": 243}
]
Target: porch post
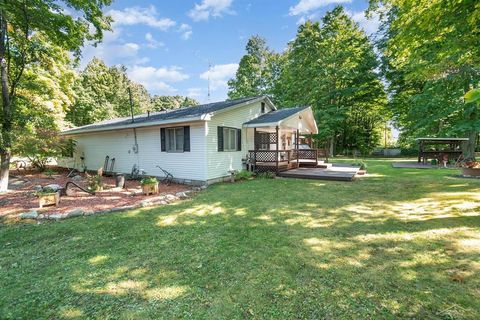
[
  {"x": 254, "y": 149},
  {"x": 296, "y": 147},
  {"x": 278, "y": 154}
]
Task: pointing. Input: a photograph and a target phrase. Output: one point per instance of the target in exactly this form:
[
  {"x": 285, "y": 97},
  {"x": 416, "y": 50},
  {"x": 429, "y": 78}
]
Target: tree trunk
[
  {"x": 469, "y": 149},
  {"x": 6, "y": 142},
  {"x": 332, "y": 143}
]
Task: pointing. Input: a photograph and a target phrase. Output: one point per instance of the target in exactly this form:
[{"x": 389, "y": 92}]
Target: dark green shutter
[
  {"x": 220, "y": 138},
  {"x": 186, "y": 138},
  {"x": 163, "y": 144},
  {"x": 239, "y": 139}
]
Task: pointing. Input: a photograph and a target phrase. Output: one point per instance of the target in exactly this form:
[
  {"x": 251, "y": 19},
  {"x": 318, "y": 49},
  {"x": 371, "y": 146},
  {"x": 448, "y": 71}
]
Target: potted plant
[
  {"x": 48, "y": 196},
  {"x": 363, "y": 167},
  {"x": 149, "y": 185},
  {"x": 470, "y": 168}
]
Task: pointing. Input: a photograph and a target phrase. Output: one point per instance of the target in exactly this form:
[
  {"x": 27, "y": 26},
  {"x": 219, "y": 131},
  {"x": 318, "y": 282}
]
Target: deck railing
[{"x": 280, "y": 160}]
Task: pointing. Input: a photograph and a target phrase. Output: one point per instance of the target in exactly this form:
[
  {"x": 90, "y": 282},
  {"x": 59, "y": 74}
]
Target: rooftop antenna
[{"x": 209, "y": 70}]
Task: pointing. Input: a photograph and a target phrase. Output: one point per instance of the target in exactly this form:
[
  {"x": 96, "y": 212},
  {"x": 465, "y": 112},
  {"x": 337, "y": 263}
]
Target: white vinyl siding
[
  {"x": 118, "y": 144},
  {"x": 218, "y": 162}
]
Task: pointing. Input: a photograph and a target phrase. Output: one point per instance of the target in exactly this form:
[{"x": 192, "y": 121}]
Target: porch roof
[{"x": 296, "y": 118}]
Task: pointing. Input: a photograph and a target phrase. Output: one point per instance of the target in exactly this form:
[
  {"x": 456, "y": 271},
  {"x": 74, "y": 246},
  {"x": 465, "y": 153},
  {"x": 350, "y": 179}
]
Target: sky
[{"x": 183, "y": 47}]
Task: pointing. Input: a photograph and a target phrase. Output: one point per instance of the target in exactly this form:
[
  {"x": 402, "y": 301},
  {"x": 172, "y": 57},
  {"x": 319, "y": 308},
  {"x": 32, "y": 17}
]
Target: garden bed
[{"x": 21, "y": 197}]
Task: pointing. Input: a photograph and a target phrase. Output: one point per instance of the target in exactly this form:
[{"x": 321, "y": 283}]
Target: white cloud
[
  {"x": 194, "y": 93},
  {"x": 370, "y": 24},
  {"x": 151, "y": 42},
  {"x": 210, "y": 8},
  {"x": 306, "y": 6},
  {"x": 157, "y": 79},
  {"x": 138, "y": 15},
  {"x": 186, "y": 31},
  {"x": 219, "y": 75}
]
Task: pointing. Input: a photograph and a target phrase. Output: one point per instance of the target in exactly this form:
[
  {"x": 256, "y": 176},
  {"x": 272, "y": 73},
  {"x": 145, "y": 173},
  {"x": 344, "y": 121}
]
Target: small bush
[
  {"x": 45, "y": 191},
  {"x": 361, "y": 164},
  {"x": 94, "y": 183},
  {"x": 243, "y": 175},
  {"x": 266, "y": 175},
  {"x": 148, "y": 180},
  {"x": 49, "y": 172}
]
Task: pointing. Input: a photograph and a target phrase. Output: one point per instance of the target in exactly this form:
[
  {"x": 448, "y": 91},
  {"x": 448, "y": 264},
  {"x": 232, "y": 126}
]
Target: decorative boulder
[
  {"x": 54, "y": 187},
  {"x": 38, "y": 188},
  {"x": 77, "y": 178},
  {"x": 29, "y": 215}
]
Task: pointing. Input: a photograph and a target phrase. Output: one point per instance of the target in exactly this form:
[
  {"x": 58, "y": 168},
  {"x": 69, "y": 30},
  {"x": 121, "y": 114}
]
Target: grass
[{"x": 399, "y": 244}]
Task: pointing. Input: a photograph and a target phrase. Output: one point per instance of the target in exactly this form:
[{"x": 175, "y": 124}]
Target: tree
[
  {"x": 333, "y": 68},
  {"x": 102, "y": 93},
  {"x": 256, "y": 71},
  {"x": 20, "y": 22},
  {"x": 431, "y": 58},
  {"x": 162, "y": 103}
]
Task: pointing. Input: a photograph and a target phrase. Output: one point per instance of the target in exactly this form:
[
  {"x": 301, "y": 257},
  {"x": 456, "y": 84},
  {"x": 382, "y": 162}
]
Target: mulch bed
[{"x": 21, "y": 197}]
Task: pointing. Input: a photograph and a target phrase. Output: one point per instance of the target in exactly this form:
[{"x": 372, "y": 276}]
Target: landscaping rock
[
  {"x": 41, "y": 216},
  {"x": 57, "y": 216},
  {"x": 181, "y": 195},
  {"x": 75, "y": 213},
  {"x": 38, "y": 188},
  {"x": 53, "y": 186},
  {"x": 77, "y": 178},
  {"x": 29, "y": 215},
  {"x": 88, "y": 212}
]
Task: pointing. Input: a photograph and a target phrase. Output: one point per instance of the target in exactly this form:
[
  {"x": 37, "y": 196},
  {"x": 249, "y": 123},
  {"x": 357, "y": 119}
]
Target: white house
[{"x": 199, "y": 144}]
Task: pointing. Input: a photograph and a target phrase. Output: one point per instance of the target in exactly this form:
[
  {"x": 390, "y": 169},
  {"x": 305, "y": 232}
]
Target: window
[
  {"x": 263, "y": 107},
  {"x": 229, "y": 139},
  {"x": 175, "y": 139}
]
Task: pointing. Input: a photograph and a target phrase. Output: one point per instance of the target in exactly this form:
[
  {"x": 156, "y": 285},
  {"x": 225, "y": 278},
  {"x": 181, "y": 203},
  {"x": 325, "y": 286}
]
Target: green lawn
[{"x": 401, "y": 243}]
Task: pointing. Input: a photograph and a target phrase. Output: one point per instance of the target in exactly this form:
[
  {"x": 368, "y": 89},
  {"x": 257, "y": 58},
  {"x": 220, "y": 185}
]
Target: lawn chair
[{"x": 167, "y": 176}]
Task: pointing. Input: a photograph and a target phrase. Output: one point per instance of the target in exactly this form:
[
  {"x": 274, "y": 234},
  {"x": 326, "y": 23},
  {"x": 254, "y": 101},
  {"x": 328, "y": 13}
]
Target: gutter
[{"x": 203, "y": 117}]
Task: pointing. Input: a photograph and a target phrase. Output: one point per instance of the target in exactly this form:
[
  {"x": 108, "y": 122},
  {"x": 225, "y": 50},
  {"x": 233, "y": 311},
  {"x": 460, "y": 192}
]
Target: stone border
[{"x": 162, "y": 199}]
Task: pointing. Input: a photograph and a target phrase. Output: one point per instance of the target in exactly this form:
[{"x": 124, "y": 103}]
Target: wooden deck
[{"x": 337, "y": 173}]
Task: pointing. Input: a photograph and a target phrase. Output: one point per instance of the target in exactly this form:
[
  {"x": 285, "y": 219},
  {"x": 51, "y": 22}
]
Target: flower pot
[
  {"x": 471, "y": 172},
  {"x": 151, "y": 188},
  {"x": 49, "y": 199}
]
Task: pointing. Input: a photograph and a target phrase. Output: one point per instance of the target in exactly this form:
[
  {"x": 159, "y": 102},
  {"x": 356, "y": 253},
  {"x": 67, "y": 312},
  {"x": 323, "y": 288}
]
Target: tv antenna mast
[{"x": 209, "y": 70}]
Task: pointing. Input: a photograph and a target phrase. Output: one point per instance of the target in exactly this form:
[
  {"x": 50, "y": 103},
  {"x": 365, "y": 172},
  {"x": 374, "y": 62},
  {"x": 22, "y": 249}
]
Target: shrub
[
  {"x": 94, "y": 183},
  {"x": 266, "y": 175},
  {"x": 361, "y": 164},
  {"x": 148, "y": 180},
  {"x": 243, "y": 175},
  {"x": 45, "y": 191},
  {"x": 49, "y": 172}
]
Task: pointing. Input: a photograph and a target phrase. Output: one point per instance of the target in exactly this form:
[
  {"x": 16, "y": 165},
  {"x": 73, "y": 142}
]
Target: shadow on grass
[{"x": 282, "y": 248}]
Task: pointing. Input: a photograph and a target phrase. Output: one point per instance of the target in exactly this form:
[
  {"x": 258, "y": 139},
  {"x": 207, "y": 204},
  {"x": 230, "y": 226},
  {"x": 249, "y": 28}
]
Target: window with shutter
[{"x": 174, "y": 139}]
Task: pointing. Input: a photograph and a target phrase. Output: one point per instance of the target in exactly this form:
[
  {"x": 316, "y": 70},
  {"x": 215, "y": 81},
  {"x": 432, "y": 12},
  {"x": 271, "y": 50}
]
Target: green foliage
[
  {"x": 266, "y": 175},
  {"x": 40, "y": 146},
  {"x": 148, "y": 181},
  {"x": 243, "y": 175},
  {"x": 161, "y": 103},
  {"x": 361, "y": 164},
  {"x": 94, "y": 182},
  {"x": 431, "y": 59},
  {"x": 102, "y": 93},
  {"x": 45, "y": 191},
  {"x": 50, "y": 172},
  {"x": 256, "y": 72},
  {"x": 332, "y": 68}
]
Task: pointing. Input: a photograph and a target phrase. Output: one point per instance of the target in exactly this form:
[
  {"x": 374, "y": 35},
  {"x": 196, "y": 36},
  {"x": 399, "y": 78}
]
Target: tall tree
[
  {"x": 162, "y": 103},
  {"x": 19, "y": 22},
  {"x": 102, "y": 93},
  {"x": 333, "y": 68},
  {"x": 256, "y": 71},
  {"x": 431, "y": 55}
]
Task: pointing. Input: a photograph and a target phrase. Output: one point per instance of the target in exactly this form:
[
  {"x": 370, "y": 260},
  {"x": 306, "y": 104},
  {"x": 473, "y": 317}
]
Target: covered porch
[{"x": 278, "y": 140}]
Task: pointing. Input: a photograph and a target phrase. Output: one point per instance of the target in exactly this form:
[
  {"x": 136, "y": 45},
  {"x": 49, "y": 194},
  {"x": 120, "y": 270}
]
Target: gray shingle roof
[
  {"x": 182, "y": 113},
  {"x": 276, "y": 116}
]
